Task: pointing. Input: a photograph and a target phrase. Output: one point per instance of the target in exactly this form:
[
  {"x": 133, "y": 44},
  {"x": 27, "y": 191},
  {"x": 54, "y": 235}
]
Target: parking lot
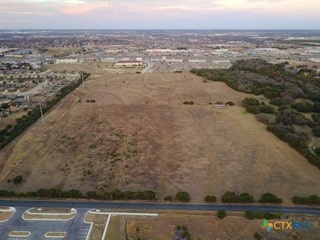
[{"x": 75, "y": 228}]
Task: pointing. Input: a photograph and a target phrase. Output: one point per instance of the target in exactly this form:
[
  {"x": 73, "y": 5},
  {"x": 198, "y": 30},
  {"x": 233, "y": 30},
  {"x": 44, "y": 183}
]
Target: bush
[
  {"x": 259, "y": 215},
  {"x": 231, "y": 197},
  {"x": 221, "y": 214},
  {"x": 18, "y": 179},
  {"x": 188, "y": 102},
  {"x": 267, "y": 109},
  {"x": 303, "y": 107},
  {"x": 230, "y": 103},
  {"x": 316, "y": 131},
  {"x": 168, "y": 198},
  {"x": 257, "y": 236},
  {"x": 312, "y": 200},
  {"x": 269, "y": 198},
  {"x": 249, "y": 215},
  {"x": 316, "y": 107},
  {"x": 278, "y": 101},
  {"x": 183, "y": 197},
  {"x": 210, "y": 199},
  {"x": 250, "y": 102},
  {"x": 255, "y": 109}
]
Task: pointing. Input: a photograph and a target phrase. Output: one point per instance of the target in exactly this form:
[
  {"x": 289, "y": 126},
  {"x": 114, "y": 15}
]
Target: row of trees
[
  {"x": 57, "y": 193},
  {"x": 231, "y": 197},
  {"x": 310, "y": 200},
  {"x": 228, "y": 197}
]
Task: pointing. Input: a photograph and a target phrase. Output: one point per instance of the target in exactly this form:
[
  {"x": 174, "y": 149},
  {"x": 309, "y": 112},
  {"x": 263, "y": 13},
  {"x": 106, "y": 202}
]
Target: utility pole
[
  {"x": 41, "y": 112},
  {"x": 82, "y": 79}
]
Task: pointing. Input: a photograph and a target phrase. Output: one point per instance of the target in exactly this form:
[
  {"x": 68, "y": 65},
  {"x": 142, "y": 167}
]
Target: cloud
[
  {"x": 80, "y": 7},
  {"x": 156, "y": 13}
]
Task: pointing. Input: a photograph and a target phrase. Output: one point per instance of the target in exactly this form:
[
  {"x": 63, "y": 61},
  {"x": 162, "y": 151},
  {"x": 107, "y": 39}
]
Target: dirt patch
[{"x": 133, "y": 132}]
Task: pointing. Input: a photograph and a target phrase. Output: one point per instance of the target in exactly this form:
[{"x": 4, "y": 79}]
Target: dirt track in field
[{"x": 138, "y": 135}]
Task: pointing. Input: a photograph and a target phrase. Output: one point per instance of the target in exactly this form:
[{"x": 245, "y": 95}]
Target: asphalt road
[
  {"x": 160, "y": 206},
  {"x": 77, "y": 229}
]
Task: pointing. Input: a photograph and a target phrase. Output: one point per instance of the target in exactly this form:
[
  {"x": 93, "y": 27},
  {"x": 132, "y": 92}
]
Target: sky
[{"x": 160, "y": 14}]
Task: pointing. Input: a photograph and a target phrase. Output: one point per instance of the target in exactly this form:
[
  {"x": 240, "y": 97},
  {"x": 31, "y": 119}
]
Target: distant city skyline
[{"x": 165, "y": 14}]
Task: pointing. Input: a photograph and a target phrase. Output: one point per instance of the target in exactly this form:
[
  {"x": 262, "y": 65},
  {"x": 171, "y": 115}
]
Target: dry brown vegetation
[
  {"x": 99, "y": 222},
  {"x": 209, "y": 227},
  {"x": 137, "y": 134},
  {"x": 4, "y": 216}
]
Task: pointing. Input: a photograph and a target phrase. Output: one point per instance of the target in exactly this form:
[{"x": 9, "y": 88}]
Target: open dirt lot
[{"x": 135, "y": 134}]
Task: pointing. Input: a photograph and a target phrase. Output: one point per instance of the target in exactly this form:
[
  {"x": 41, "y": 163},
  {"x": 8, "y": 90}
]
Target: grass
[
  {"x": 114, "y": 228},
  {"x": 19, "y": 234},
  {"x": 5, "y": 216}
]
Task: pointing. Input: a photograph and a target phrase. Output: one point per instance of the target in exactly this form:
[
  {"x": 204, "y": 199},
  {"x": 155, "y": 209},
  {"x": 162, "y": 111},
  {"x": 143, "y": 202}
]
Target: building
[{"x": 128, "y": 63}]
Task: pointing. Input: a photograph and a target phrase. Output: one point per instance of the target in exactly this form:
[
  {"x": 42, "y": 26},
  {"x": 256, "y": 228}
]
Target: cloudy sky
[{"x": 160, "y": 14}]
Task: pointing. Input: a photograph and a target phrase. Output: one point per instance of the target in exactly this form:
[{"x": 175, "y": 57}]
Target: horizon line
[{"x": 159, "y": 29}]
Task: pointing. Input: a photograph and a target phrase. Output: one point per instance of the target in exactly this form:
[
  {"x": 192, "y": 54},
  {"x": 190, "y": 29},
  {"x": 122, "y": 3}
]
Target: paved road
[
  {"x": 159, "y": 206},
  {"x": 77, "y": 229}
]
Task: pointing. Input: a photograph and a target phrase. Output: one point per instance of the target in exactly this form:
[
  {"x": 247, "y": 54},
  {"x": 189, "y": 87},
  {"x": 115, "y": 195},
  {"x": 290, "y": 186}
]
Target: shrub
[
  {"x": 230, "y": 103},
  {"x": 183, "y": 197},
  {"x": 269, "y": 198},
  {"x": 259, "y": 215},
  {"x": 278, "y": 101},
  {"x": 231, "y": 197},
  {"x": 255, "y": 109},
  {"x": 168, "y": 198},
  {"x": 249, "y": 215},
  {"x": 188, "y": 102},
  {"x": 303, "y": 106},
  {"x": 210, "y": 199},
  {"x": 267, "y": 109},
  {"x": 250, "y": 102},
  {"x": 257, "y": 236},
  {"x": 316, "y": 131},
  {"x": 313, "y": 200},
  {"x": 316, "y": 107},
  {"x": 18, "y": 179},
  {"x": 221, "y": 214}
]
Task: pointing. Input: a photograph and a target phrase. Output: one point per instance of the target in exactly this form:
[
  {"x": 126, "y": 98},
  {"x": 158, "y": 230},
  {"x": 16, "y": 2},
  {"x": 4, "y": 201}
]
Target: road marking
[
  {"x": 106, "y": 228},
  {"x": 10, "y": 209}
]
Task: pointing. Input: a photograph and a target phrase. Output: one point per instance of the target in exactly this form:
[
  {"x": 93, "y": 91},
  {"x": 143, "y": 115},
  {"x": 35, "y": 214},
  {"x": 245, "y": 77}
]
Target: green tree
[
  {"x": 18, "y": 179},
  {"x": 257, "y": 236},
  {"x": 210, "y": 199},
  {"x": 183, "y": 197},
  {"x": 269, "y": 198},
  {"x": 221, "y": 214},
  {"x": 249, "y": 215}
]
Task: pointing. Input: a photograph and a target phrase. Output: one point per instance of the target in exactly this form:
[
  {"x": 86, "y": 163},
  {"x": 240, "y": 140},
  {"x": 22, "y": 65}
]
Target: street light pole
[{"x": 41, "y": 112}]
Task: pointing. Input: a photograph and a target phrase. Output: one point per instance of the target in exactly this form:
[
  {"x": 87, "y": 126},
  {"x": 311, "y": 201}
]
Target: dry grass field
[
  {"x": 137, "y": 134},
  {"x": 208, "y": 227}
]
